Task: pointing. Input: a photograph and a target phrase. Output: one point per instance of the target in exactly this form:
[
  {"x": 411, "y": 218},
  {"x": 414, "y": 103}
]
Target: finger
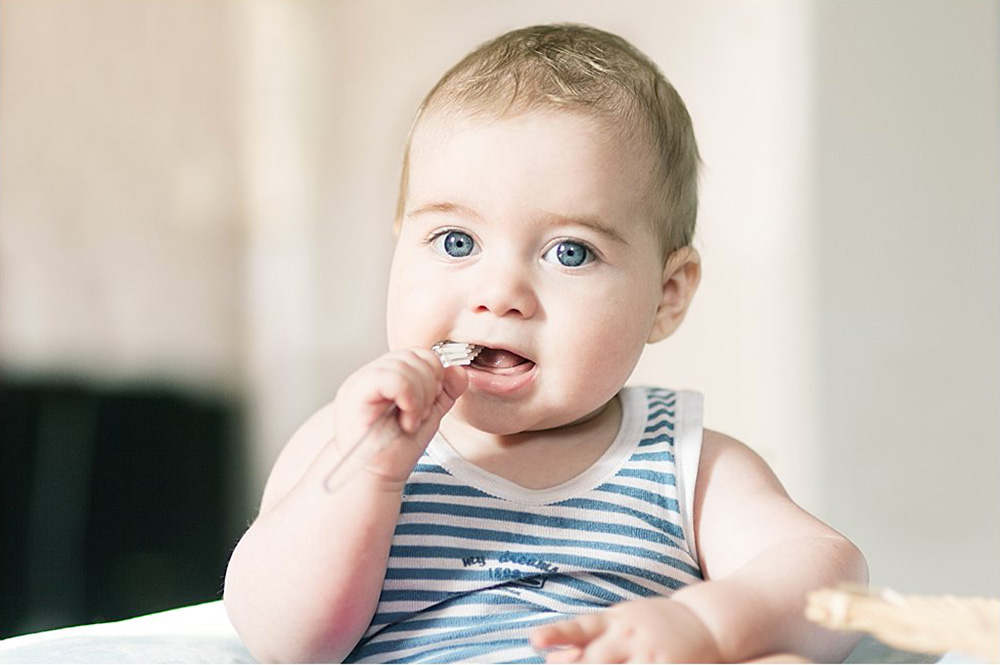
[
  {"x": 426, "y": 377},
  {"x": 567, "y": 655},
  {"x": 397, "y": 382},
  {"x": 779, "y": 658},
  {"x": 579, "y": 631},
  {"x": 425, "y": 373},
  {"x": 607, "y": 648},
  {"x": 430, "y": 357},
  {"x": 451, "y": 383},
  {"x": 366, "y": 395},
  {"x": 425, "y": 361}
]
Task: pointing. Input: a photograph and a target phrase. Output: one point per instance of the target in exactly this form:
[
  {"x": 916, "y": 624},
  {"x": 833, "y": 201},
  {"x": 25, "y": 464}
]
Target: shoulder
[
  {"x": 742, "y": 507},
  {"x": 730, "y": 473},
  {"x": 725, "y": 458},
  {"x": 298, "y": 455}
]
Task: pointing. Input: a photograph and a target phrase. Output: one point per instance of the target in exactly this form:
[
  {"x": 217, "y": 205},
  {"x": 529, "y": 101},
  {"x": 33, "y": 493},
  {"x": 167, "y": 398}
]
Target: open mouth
[
  {"x": 501, "y": 361},
  {"x": 501, "y": 372}
]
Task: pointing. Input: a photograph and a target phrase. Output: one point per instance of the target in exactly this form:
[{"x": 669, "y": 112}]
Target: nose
[{"x": 504, "y": 287}]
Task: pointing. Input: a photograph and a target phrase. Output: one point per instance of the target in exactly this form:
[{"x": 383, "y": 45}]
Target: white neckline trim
[{"x": 633, "y": 405}]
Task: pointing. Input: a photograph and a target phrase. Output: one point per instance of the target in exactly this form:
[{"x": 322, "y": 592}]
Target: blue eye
[
  {"x": 569, "y": 254},
  {"x": 455, "y": 244}
]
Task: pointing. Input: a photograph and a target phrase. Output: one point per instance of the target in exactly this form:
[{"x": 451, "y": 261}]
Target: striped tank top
[{"x": 477, "y": 561}]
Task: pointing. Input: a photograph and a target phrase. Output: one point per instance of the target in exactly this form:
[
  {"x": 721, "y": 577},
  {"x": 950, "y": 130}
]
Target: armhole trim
[{"x": 687, "y": 450}]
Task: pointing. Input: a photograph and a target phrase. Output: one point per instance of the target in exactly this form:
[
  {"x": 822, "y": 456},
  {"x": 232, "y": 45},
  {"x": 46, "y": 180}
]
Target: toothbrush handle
[{"x": 358, "y": 455}]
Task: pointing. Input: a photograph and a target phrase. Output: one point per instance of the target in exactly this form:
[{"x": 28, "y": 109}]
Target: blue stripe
[
  {"x": 600, "y": 593},
  {"x": 635, "y": 589},
  {"x": 588, "y": 526},
  {"x": 451, "y": 574},
  {"x": 478, "y": 597},
  {"x": 575, "y": 601},
  {"x": 393, "y": 595},
  {"x": 460, "y": 652},
  {"x": 662, "y": 456},
  {"x": 655, "y": 426},
  {"x": 457, "y": 622},
  {"x": 662, "y": 412},
  {"x": 645, "y": 474},
  {"x": 484, "y": 627},
  {"x": 654, "y": 498},
  {"x": 517, "y": 516},
  {"x": 661, "y": 524},
  {"x": 581, "y": 562},
  {"x": 470, "y": 533},
  {"x": 490, "y": 597},
  {"x": 662, "y": 438},
  {"x": 424, "y": 488},
  {"x": 422, "y": 467},
  {"x": 671, "y": 415}
]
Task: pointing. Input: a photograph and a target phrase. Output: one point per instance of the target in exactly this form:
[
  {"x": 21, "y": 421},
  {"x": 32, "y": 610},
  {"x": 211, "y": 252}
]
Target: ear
[{"x": 681, "y": 276}]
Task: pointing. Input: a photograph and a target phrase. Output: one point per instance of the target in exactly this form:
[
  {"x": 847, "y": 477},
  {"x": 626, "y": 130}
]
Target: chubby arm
[
  {"x": 304, "y": 580},
  {"x": 761, "y": 555}
]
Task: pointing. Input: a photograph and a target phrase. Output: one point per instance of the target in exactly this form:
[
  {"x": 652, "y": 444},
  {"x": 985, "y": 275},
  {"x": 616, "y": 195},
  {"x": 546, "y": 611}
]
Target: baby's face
[{"x": 530, "y": 236}]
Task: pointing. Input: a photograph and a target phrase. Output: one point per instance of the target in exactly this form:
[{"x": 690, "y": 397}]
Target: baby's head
[
  {"x": 593, "y": 73},
  {"x": 546, "y": 213}
]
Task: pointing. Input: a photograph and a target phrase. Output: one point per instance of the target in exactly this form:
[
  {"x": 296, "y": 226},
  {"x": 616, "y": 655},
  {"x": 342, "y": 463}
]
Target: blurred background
[{"x": 196, "y": 205}]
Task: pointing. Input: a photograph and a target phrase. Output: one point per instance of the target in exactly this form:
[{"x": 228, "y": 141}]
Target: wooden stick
[{"x": 924, "y": 624}]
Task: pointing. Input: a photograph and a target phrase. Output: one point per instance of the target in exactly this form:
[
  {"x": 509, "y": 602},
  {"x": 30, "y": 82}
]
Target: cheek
[
  {"x": 605, "y": 336},
  {"x": 407, "y": 319},
  {"x": 417, "y": 308},
  {"x": 614, "y": 351},
  {"x": 397, "y": 332},
  {"x": 406, "y": 299}
]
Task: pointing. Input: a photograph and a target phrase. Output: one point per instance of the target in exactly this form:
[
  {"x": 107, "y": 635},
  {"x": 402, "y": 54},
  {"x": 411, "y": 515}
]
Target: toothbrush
[{"x": 451, "y": 354}]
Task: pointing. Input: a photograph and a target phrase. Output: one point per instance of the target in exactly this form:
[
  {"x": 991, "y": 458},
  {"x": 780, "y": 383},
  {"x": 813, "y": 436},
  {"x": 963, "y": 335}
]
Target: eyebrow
[
  {"x": 591, "y": 222},
  {"x": 445, "y": 207}
]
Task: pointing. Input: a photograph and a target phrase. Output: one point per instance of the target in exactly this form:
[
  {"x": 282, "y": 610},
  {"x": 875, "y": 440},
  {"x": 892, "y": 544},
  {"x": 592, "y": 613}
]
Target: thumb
[{"x": 455, "y": 383}]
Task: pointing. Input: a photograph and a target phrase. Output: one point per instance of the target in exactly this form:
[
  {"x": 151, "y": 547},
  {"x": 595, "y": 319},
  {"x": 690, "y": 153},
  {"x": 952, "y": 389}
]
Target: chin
[
  {"x": 496, "y": 426},
  {"x": 502, "y": 418},
  {"x": 498, "y": 420}
]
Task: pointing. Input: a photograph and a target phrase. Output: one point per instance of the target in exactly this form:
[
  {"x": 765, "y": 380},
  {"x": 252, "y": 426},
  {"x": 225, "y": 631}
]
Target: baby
[{"x": 529, "y": 507}]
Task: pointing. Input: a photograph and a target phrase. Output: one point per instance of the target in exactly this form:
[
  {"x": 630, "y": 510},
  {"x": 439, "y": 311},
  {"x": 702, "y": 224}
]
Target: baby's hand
[
  {"x": 423, "y": 390},
  {"x": 651, "y": 630}
]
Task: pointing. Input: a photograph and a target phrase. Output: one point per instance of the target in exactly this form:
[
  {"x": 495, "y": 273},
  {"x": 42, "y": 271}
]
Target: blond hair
[{"x": 583, "y": 69}]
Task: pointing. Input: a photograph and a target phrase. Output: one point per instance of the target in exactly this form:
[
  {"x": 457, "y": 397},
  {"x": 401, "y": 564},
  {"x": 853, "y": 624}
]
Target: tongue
[{"x": 498, "y": 359}]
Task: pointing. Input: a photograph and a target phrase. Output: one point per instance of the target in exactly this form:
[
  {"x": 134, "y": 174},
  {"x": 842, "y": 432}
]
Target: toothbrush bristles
[{"x": 456, "y": 353}]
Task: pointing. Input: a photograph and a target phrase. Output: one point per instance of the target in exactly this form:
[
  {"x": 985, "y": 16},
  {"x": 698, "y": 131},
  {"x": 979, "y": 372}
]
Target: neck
[{"x": 540, "y": 458}]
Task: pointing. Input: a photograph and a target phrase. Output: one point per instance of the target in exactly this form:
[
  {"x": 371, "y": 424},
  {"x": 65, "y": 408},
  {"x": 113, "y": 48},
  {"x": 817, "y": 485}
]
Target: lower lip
[{"x": 505, "y": 384}]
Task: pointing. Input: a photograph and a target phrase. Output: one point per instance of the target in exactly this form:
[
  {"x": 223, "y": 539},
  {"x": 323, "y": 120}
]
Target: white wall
[
  {"x": 121, "y": 250},
  {"x": 202, "y": 192},
  {"x": 907, "y": 101}
]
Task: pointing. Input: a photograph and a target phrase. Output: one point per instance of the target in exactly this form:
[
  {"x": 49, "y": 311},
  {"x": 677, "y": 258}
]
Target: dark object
[{"x": 116, "y": 500}]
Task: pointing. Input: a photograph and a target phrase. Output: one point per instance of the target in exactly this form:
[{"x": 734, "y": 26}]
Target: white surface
[{"x": 195, "y": 634}]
